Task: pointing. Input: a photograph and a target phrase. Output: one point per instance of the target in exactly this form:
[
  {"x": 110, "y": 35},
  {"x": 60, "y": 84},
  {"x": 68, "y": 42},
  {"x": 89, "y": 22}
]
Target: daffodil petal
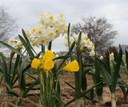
[
  {"x": 35, "y": 63},
  {"x": 48, "y": 55},
  {"x": 49, "y": 64}
]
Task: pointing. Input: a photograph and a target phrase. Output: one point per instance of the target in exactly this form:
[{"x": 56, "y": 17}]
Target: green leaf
[
  {"x": 86, "y": 91},
  {"x": 69, "y": 85},
  {"x": 13, "y": 93},
  {"x": 38, "y": 55},
  {"x": 5, "y": 68},
  {"x": 124, "y": 92},
  {"x": 15, "y": 80},
  {"x": 21, "y": 74},
  {"x": 89, "y": 58},
  {"x": 84, "y": 82},
  {"x": 24, "y": 34},
  {"x": 62, "y": 57},
  {"x": 78, "y": 44},
  {"x": 29, "y": 65},
  {"x": 1, "y": 79},
  {"x": 49, "y": 45},
  {"x": 104, "y": 72},
  {"x": 69, "y": 102},
  {"x": 7, "y": 85},
  {"x": 126, "y": 58},
  {"x": 43, "y": 48},
  {"x": 85, "y": 70},
  {"x": 36, "y": 82},
  {"x": 83, "y": 94},
  {"x": 116, "y": 71},
  {"x": 30, "y": 75},
  {"x": 72, "y": 46},
  {"x": 12, "y": 49},
  {"x": 27, "y": 46},
  {"x": 121, "y": 79},
  {"x": 69, "y": 36},
  {"x": 88, "y": 65},
  {"x": 123, "y": 84},
  {"x": 10, "y": 69},
  {"x": 78, "y": 75},
  {"x": 1, "y": 70},
  {"x": 15, "y": 68},
  {"x": 98, "y": 78},
  {"x": 26, "y": 68}
]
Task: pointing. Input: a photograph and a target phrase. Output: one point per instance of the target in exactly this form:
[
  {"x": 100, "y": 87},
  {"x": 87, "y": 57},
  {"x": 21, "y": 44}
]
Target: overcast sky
[{"x": 27, "y": 13}]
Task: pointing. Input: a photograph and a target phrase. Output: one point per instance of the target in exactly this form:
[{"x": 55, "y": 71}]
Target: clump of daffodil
[
  {"x": 46, "y": 62},
  {"x": 49, "y": 28},
  {"x": 48, "y": 83},
  {"x": 85, "y": 42},
  {"x": 17, "y": 44}
]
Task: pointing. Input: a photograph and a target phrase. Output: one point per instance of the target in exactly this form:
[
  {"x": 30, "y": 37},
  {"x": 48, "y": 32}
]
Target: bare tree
[
  {"x": 99, "y": 30},
  {"x": 7, "y": 24}
]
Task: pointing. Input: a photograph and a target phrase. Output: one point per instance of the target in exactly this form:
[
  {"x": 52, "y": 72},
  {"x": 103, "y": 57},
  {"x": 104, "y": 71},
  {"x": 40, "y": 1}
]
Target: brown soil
[{"x": 67, "y": 94}]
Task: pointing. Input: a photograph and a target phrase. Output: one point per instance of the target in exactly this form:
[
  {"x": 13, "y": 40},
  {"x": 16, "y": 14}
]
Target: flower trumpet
[{"x": 72, "y": 66}]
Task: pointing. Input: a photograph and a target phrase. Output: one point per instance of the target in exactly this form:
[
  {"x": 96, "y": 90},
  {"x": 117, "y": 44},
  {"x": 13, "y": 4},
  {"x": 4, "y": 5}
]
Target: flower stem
[
  {"x": 101, "y": 100},
  {"x": 21, "y": 92},
  {"x": 43, "y": 48},
  {"x": 42, "y": 87},
  {"x": 113, "y": 100},
  {"x": 77, "y": 103},
  {"x": 6, "y": 102}
]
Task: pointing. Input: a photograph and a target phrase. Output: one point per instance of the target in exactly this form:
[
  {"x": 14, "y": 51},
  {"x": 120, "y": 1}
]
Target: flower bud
[{"x": 101, "y": 57}]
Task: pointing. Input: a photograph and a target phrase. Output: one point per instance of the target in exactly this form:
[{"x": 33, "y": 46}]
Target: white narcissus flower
[
  {"x": 15, "y": 43},
  {"x": 44, "y": 40},
  {"x": 84, "y": 36},
  {"x": 70, "y": 41},
  {"x": 51, "y": 34},
  {"x": 27, "y": 33},
  {"x": 85, "y": 43},
  {"x": 75, "y": 37},
  {"x": 19, "y": 45},
  {"x": 12, "y": 40},
  {"x": 50, "y": 27},
  {"x": 92, "y": 53},
  {"x": 101, "y": 57}
]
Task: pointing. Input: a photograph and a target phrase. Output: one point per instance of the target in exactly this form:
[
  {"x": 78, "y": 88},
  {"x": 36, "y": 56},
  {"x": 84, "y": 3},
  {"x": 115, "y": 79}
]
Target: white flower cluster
[
  {"x": 49, "y": 27},
  {"x": 84, "y": 43},
  {"x": 17, "y": 44}
]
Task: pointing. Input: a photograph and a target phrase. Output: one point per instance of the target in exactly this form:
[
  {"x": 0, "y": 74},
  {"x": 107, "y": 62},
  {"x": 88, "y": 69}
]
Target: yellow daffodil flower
[
  {"x": 35, "y": 63},
  {"x": 47, "y": 55},
  {"x": 72, "y": 66},
  {"x": 46, "y": 62}
]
